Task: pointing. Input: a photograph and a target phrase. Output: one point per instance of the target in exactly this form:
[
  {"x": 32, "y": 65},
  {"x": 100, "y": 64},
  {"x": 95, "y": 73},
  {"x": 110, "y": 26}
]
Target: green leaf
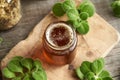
[
  {"x": 76, "y": 23},
  {"x": 83, "y": 28},
  {"x": 99, "y": 78},
  {"x": 85, "y": 67},
  {"x": 87, "y": 7},
  {"x": 68, "y": 4},
  {"x": 70, "y": 22},
  {"x": 27, "y": 77},
  {"x": 45, "y": 75},
  {"x": 84, "y": 15},
  {"x": 93, "y": 71},
  {"x": 97, "y": 65},
  {"x": 38, "y": 75},
  {"x": 107, "y": 78},
  {"x": 17, "y": 58},
  {"x": 79, "y": 73},
  {"x": 115, "y": 4},
  {"x": 104, "y": 73},
  {"x": 72, "y": 14},
  {"x": 37, "y": 65},
  {"x": 17, "y": 78},
  {"x": 82, "y": 4},
  {"x": 14, "y": 66},
  {"x": 7, "y": 73},
  {"x": 27, "y": 63},
  {"x": 116, "y": 8},
  {"x": 58, "y": 10},
  {"x": 90, "y": 76}
]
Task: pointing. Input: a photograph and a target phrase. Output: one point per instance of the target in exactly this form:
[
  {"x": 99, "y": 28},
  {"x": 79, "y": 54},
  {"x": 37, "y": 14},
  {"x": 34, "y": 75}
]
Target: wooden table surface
[{"x": 34, "y": 10}]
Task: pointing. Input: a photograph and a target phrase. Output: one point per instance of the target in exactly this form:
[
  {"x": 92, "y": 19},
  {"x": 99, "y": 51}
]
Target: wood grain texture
[{"x": 86, "y": 47}]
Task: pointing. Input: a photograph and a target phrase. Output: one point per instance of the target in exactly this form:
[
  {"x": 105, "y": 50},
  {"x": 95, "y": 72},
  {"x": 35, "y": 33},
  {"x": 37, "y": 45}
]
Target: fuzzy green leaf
[
  {"x": 87, "y": 7},
  {"x": 85, "y": 67},
  {"x": 69, "y": 22},
  {"x": 72, "y": 14},
  {"x": 45, "y": 75},
  {"x": 7, "y": 73},
  {"x": 14, "y": 66},
  {"x": 83, "y": 28},
  {"x": 39, "y": 75},
  {"x": 17, "y": 78},
  {"x": 98, "y": 65},
  {"x": 76, "y": 23},
  {"x": 84, "y": 15},
  {"x": 83, "y": 3},
  {"x": 37, "y": 65},
  {"x": 79, "y": 73},
  {"x": 27, "y": 63},
  {"x": 107, "y": 78},
  {"x": 99, "y": 79},
  {"x": 90, "y": 76},
  {"x": 17, "y": 58},
  {"x": 104, "y": 73},
  {"x": 27, "y": 77},
  {"x": 58, "y": 10},
  {"x": 68, "y": 4},
  {"x": 116, "y": 8}
]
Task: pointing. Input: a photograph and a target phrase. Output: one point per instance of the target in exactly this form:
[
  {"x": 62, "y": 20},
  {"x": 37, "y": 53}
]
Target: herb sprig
[
  {"x": 20, "y": 68},
  {"x": 93, "y": 70},
  {"x": 77, "y": 15}
]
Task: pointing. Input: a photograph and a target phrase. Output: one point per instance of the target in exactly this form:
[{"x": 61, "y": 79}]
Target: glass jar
[
  {"x": 59, "y": 43},
  {"x": 10, "y": 13}
]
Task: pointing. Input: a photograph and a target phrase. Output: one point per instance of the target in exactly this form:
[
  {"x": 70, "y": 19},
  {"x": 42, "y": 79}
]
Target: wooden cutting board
[{"x": 101, "y": 38}]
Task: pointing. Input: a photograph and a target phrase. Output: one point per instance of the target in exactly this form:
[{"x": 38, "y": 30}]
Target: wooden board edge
[{"x": 111, "y": 47}]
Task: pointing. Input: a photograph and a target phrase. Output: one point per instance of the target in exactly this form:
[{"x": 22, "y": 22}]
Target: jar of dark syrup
[{"x": 59, "y": 43}]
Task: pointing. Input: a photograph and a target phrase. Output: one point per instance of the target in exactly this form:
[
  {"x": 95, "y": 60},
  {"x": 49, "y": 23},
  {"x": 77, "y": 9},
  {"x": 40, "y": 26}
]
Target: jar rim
[{"x": 54, "y": 46}]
